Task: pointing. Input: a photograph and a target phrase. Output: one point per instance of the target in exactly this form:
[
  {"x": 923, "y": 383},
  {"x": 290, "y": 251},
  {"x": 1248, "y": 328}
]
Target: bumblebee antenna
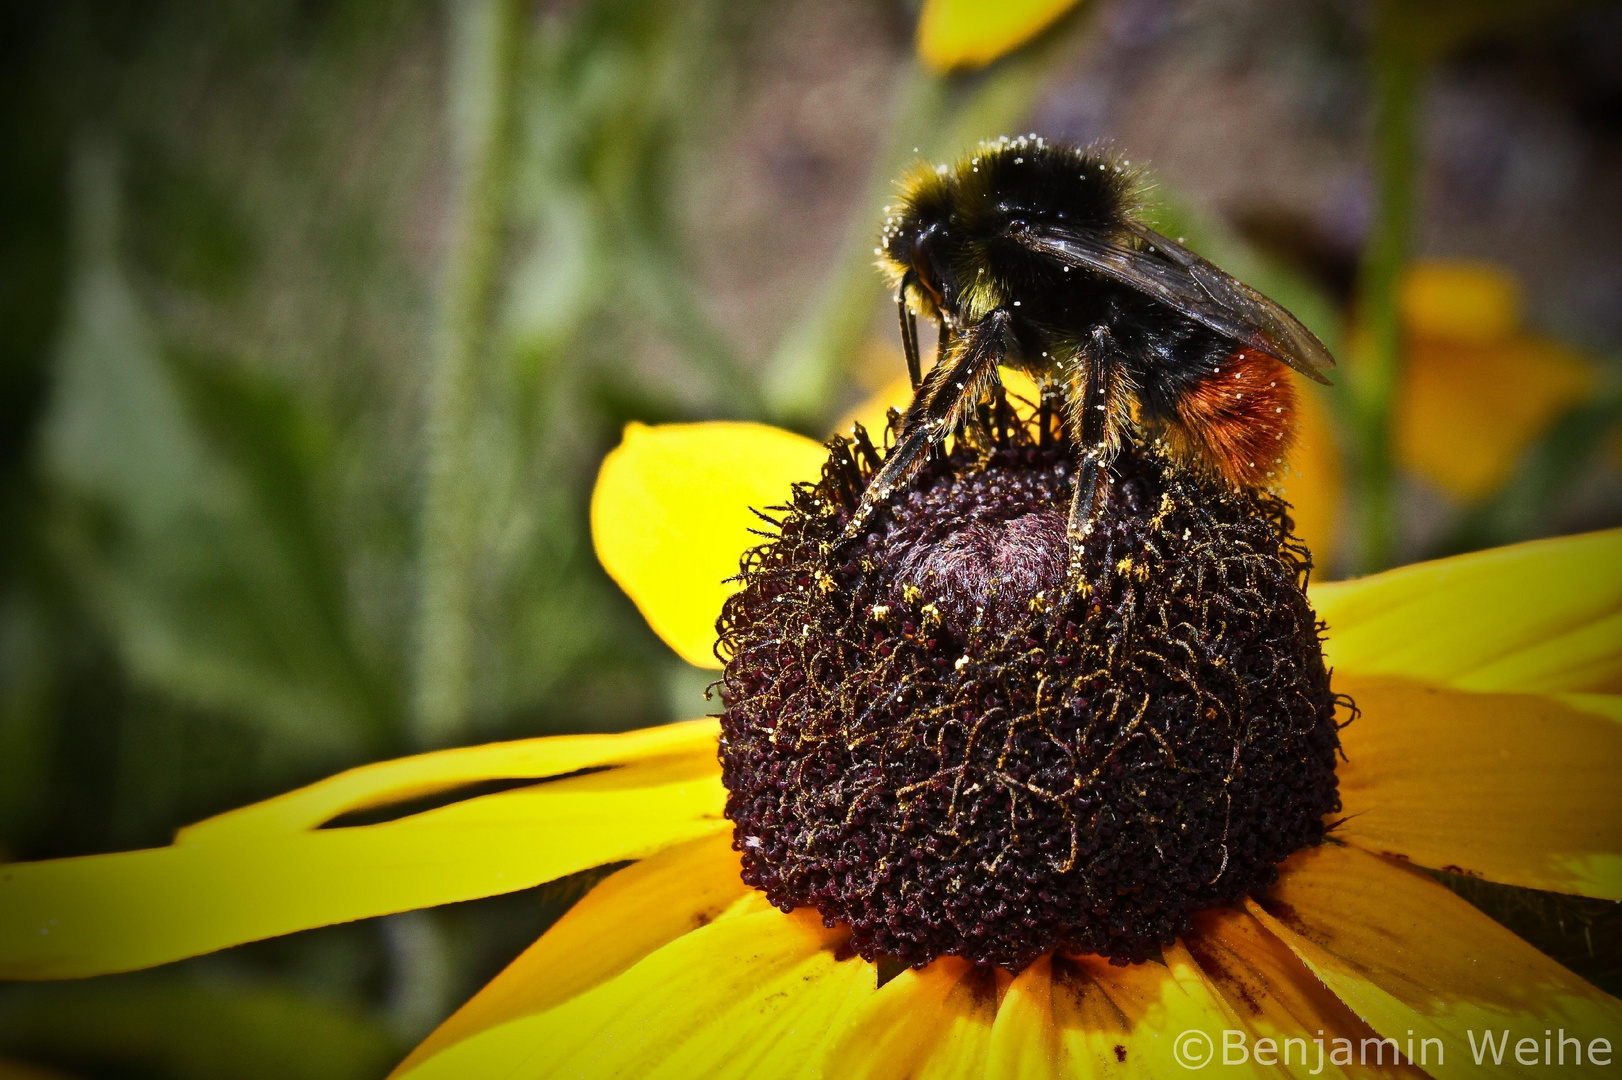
[{"x": 909, "y": 330}]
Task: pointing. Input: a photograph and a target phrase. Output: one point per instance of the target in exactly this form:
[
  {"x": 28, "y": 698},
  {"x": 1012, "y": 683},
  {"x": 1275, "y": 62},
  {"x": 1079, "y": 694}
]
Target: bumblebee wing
[
  {"x": 1167, "y": 271},
  {"x": 1271, "y": 319}
]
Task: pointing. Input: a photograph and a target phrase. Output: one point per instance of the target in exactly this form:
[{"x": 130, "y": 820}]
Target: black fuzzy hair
[{"x": 972, "y": 200}]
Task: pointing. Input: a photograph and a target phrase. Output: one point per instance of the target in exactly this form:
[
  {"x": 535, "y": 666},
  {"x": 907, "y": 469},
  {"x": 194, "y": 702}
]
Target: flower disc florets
[{"x": 930, "y": 738}]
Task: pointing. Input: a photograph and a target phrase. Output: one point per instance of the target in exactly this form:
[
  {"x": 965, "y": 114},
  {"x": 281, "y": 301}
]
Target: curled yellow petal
[
  {"x": 1416, "y": 962},
  {"x": 671, "y": 516},
  {"x": 1545, "y": 616},
  {"x": 1517, "y": 788},
  {"x": 956, "y": 34},
  {"x": 301, "y": 861}
]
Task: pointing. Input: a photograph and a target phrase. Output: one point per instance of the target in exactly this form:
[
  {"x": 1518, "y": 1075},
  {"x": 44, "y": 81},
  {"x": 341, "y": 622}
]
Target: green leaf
[
  {"x": 116, "y": 427},
  {"x": 187, "y": 512}
]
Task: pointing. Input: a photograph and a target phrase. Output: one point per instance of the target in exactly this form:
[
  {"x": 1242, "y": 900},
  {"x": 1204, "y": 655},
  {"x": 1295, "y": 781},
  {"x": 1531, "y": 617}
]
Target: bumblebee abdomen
[{"x": 1238, "y": 421}]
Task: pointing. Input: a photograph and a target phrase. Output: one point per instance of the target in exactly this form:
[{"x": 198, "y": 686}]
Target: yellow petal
[
  {"x": 1158, "y": 1004},
  {"x": 1313, "y": 483},
  {"x": 931, "y": 1024},
  {"x": 1273, "y": 995},
  {"x": 272, "y": 868},
  {"x": 1414, "y": 960},
  {"x": 1539, "y": 617},
  {"x": 954, "y": 34},
  {"x": 1468, "y": 411},
  {"x": 1079, "y": 1016},
  {"x": 1457, "y": 300},
  {"x": 752, "y": 996},
  {"x": 1025, "y": 1042},
  {"x": 1518, "y": 788},
  {"x": 632, "y": 913},
  {"x": 671, "y": 517}
]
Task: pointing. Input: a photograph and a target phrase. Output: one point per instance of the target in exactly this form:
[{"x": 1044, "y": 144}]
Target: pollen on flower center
[{"x": 930, "y": 737}]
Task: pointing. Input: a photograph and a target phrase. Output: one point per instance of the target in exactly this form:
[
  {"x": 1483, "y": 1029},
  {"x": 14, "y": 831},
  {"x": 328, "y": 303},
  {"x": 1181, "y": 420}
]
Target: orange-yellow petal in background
[{"x": 1477, "y": 389}]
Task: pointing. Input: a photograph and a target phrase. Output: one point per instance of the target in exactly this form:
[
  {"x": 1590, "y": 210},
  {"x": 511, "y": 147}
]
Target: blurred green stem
[
  {"x": 421, "y": 963},
  {"x": 932, "y": 115},
  {"x": 1398, "y": 68},
  {"x": 1529, "y": 502},
  {"x": 803, "y": 374},
  {"x": 484, "y": 70}
]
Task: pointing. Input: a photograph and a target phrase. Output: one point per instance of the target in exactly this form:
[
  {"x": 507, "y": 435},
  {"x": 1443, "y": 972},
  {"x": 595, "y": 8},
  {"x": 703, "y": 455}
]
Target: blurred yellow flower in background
[
  {"x": 1477, "y": 390},
  {"x": 1314, "y": 481},
  {"x": 1477, "y": 387},
  {"x": 957, "y": 34}
]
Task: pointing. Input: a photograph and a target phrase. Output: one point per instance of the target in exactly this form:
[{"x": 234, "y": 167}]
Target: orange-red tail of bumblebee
[{"x": 1240, "y": 422}]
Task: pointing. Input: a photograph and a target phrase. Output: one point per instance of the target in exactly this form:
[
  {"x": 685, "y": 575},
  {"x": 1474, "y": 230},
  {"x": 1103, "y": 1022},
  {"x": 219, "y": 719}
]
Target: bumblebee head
[
  {"x": 918, "y": 247},
  {"x": 947, "y": 240}
]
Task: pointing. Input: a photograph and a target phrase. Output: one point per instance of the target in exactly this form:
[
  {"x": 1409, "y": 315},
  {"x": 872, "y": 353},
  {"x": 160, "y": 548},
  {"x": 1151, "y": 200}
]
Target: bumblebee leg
[
  {"x": 1045, "y": 413},
  {"x": 909, "y": 332},
  {"x": 943, "y": 348},
  {"x": 947, "y": 397},
  {"x": 1095, "y": 434}
]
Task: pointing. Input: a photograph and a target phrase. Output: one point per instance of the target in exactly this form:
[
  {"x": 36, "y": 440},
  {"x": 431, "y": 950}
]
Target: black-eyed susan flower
[{"x": 1489, "y": 743}]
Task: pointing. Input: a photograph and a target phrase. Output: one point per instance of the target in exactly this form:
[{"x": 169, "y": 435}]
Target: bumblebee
[{"x": 1032, "y": 254}]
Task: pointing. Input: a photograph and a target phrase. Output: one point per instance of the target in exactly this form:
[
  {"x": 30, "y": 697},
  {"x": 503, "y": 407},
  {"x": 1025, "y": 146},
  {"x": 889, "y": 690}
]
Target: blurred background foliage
[{"x": 318, "y": 316}]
